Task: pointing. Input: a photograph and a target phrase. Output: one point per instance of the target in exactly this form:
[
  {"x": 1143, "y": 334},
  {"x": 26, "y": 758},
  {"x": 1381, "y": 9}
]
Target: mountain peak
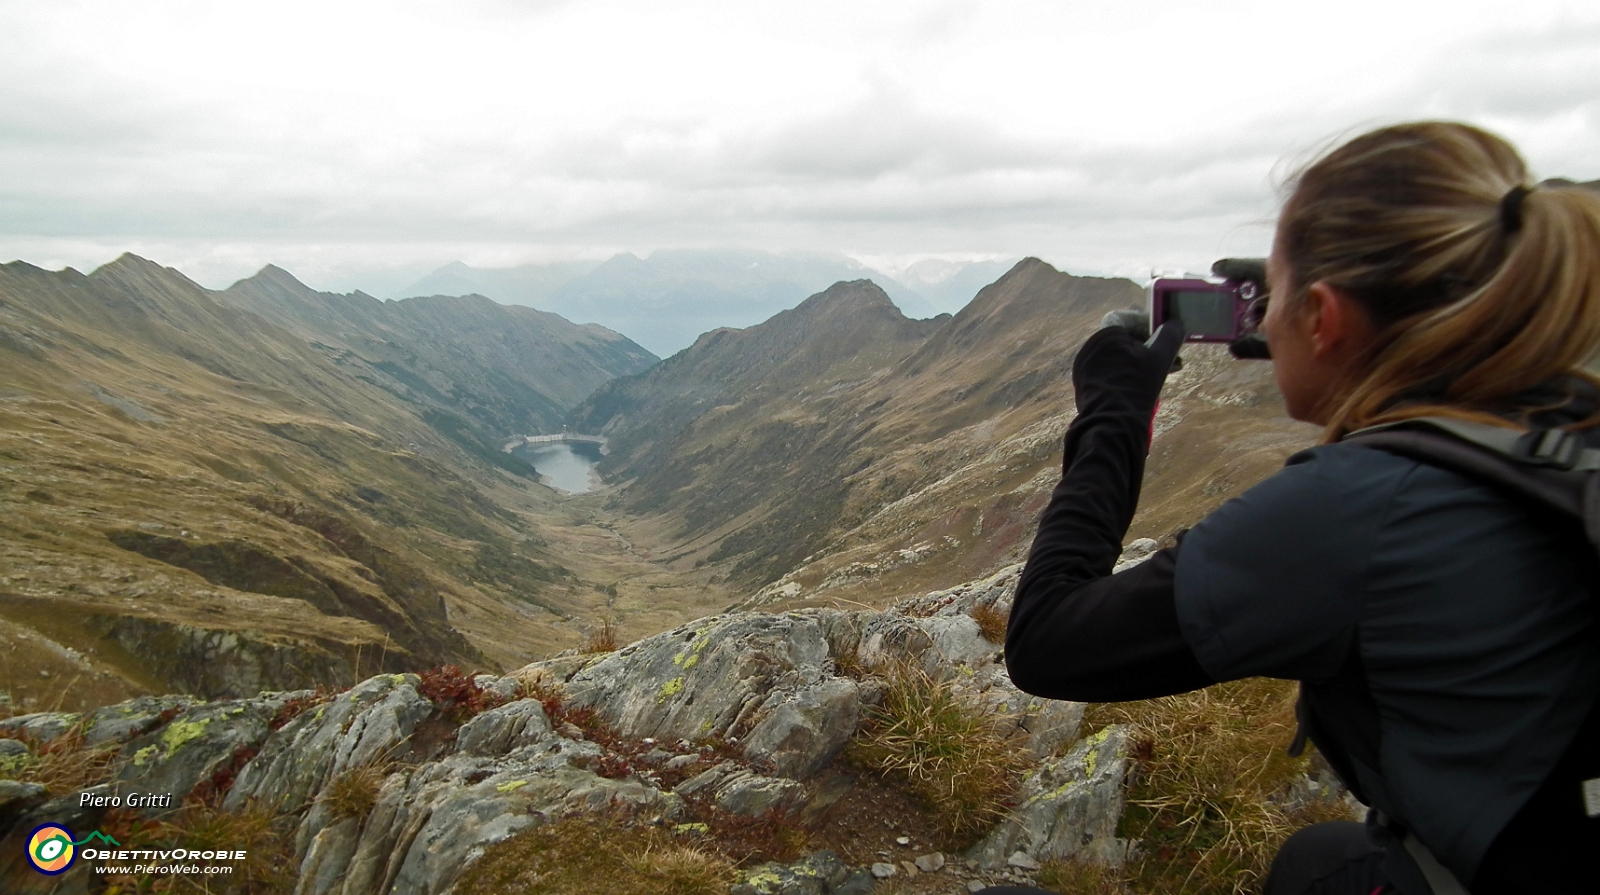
[
  {"x": 848, "y": 298},
  {"x": 128, "y": 261},
  {"x": 277, "y": 276}
]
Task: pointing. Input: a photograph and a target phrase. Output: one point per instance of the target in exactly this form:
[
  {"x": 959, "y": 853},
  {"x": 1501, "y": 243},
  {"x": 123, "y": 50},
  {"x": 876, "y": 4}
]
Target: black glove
[
  {"x": 1119, "y": 371},
  {"x": 1252, "y": 270}
]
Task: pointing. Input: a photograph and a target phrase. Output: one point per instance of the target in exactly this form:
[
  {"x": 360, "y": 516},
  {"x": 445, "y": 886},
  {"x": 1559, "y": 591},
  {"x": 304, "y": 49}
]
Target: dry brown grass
[
  {"x": 574, "y": 856},
  {"x": 950, "y": 753},
  {"x": 266, "y": 835},
  {"x": 64, "y": 764},
  {"x": 991, "y": 621},
  {"x": 602, "y": 639},
  {"x": 1206, "y": 785},
  {"x": 1082, "y": 878},
  {"x": 353, "y": 793}
]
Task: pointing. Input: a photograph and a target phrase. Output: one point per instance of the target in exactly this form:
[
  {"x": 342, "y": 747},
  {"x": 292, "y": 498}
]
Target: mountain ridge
[
  {"x": 479, "y": 370},
  {"x": 198, "y": 498}
]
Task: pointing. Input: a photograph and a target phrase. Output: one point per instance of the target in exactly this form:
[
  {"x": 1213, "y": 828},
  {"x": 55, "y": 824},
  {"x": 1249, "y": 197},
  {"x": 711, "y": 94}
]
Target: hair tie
[{"x": 1511, "y": 208}]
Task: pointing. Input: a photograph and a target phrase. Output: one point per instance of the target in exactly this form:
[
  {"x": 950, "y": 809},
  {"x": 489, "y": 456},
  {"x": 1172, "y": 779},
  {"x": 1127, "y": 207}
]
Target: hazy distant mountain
[
  {"x": 666, "y": 300},
  {"x": 949, "y": 285},
  {"x": 526, "y": 284}
]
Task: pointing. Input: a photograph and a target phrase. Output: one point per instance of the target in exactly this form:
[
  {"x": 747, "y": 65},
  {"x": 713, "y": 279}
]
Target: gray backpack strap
[
  {"x": 1552, "y": 448},
  {"x": 1439, "y": 877}
]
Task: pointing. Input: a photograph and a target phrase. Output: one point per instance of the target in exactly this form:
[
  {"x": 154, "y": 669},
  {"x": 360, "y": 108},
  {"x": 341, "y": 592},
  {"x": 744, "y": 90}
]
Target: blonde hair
[{"x": 1475, "y": 300}]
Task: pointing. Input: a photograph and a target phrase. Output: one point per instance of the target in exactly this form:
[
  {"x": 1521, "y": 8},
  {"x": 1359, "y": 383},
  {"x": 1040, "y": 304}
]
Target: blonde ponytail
[{"x": 1481, "y": 285}]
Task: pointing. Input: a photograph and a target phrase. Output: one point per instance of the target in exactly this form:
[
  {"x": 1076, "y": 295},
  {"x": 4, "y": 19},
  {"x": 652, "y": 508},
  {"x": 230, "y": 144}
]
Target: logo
[{"x": 51, "y": 849}]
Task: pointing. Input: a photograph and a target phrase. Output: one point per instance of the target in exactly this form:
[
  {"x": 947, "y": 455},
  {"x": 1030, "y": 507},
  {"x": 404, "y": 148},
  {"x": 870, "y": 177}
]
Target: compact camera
[{"x": 1223, "y": 308}]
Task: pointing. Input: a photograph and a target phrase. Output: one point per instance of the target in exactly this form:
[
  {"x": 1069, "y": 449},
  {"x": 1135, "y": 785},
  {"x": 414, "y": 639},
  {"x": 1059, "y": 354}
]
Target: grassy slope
[{"x": 165, "y": 457}]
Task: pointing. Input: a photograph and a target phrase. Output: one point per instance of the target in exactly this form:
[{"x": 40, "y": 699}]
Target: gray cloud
[{"x": 93, "y": 158}]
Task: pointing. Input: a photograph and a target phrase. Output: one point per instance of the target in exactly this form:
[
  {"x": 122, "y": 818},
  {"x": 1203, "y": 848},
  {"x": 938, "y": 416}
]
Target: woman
[{"x": 1445, "y": 636}]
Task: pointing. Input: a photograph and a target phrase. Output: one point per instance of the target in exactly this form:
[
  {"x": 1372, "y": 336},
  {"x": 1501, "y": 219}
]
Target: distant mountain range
[
  {"x": 665, "y": 301},
  {"x": 840, "y": 448},
  {"x": 272, "y": 487}
]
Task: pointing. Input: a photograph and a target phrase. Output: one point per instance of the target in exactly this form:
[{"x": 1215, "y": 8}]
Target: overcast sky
[{"x": 347, "y": 141}]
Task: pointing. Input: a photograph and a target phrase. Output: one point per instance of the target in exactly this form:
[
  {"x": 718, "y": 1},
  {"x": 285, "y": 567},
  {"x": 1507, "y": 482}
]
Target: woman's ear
[{"x": 1339, "y": 327}]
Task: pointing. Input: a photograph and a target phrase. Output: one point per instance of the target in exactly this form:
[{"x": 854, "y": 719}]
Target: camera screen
[{"x": 1203, "y": 313}]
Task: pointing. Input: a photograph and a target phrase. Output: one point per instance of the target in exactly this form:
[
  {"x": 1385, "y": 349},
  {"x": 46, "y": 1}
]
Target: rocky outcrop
[
  {"x": 396, "y": 792},
  {"x": 1069, "y": 808},
  {"x": 219, "y": 663},
  {"x": 767, "y": 682}
]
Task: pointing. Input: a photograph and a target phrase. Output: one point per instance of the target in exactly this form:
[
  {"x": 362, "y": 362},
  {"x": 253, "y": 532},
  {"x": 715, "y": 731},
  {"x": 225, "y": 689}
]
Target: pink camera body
[{"x": 1210, "y": 310}]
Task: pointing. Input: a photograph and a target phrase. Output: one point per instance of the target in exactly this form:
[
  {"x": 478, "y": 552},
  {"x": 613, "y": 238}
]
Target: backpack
[
  {"x": 1553, "y": 468},
  {"x": 1544, "y": 469}
]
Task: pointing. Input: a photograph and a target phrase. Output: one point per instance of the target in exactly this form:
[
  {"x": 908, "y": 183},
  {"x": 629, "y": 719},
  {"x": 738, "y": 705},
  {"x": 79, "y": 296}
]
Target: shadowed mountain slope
[{"x": 480, "y": 371}]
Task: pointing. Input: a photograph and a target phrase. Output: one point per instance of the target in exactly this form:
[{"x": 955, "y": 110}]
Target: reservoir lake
[{"x": 564, "y": 465}]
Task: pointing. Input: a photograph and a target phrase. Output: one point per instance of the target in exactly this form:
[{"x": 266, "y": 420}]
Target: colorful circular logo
[{"x": 50, "y": 849}]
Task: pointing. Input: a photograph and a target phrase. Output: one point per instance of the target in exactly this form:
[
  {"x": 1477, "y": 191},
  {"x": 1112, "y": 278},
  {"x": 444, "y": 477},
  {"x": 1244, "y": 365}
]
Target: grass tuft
[
  {"x": 602, "y": 639},
  {"x": 991, "y": 622},
  {"x": 64, "y": 764},
  {"x": 1082, "y": 878},
  {"x": 353, "y": 793},
  {"x": 951, "y": 754},
  {"x": 1207, "y": 785},
  {"x": 267, "y": 836}
]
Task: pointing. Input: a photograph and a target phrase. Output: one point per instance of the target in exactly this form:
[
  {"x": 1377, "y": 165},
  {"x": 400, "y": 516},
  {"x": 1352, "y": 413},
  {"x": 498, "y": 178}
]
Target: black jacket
[{"x": 1446, "y": 638}]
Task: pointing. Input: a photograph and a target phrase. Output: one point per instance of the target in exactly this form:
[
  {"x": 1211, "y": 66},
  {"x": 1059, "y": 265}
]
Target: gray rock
[
  {"x": 1136, "y": 552},
  {"x": 354, "y": 729},
  {"x": 188, "y": 750},
  {"x": 679, "y": 762},
  {"x": 226, "y": 663},
  {"x": 1070, "y": 808},
  {"x": 930, "y": 863},
  {"x": 507, "y": 688},
  {"x": 884, "y": 870},
  {"x": 976, "y": 885},
  {"x": 322, "y": 871},
  {"x": 738, "y": 790},
  {"x": 12, "y": 749},
  {"x": 430, "y": 823},
  {"x": 819, "y": 874},
  {"x": 117, "y": 723},
  {"x": 1023, "y": 860},
  {"x": 937, "y": 632},
  {"x": 764, "y": 679},
  {"x": 800, "y": 732},
  {"x": 1050, "y": 724},
  {"x": 503, "y": 729},
  {"x": 43, "y": 726},
  {"x": 17, "y": 797}
]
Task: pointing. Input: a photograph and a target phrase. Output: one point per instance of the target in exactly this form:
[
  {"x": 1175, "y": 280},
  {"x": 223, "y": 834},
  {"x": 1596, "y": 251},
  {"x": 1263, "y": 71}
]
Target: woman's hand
[{"x": 1118, "y": 371}]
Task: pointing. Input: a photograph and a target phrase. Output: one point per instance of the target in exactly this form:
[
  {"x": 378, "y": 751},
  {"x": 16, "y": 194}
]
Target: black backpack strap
[{"x": 1552, "y": 467}]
